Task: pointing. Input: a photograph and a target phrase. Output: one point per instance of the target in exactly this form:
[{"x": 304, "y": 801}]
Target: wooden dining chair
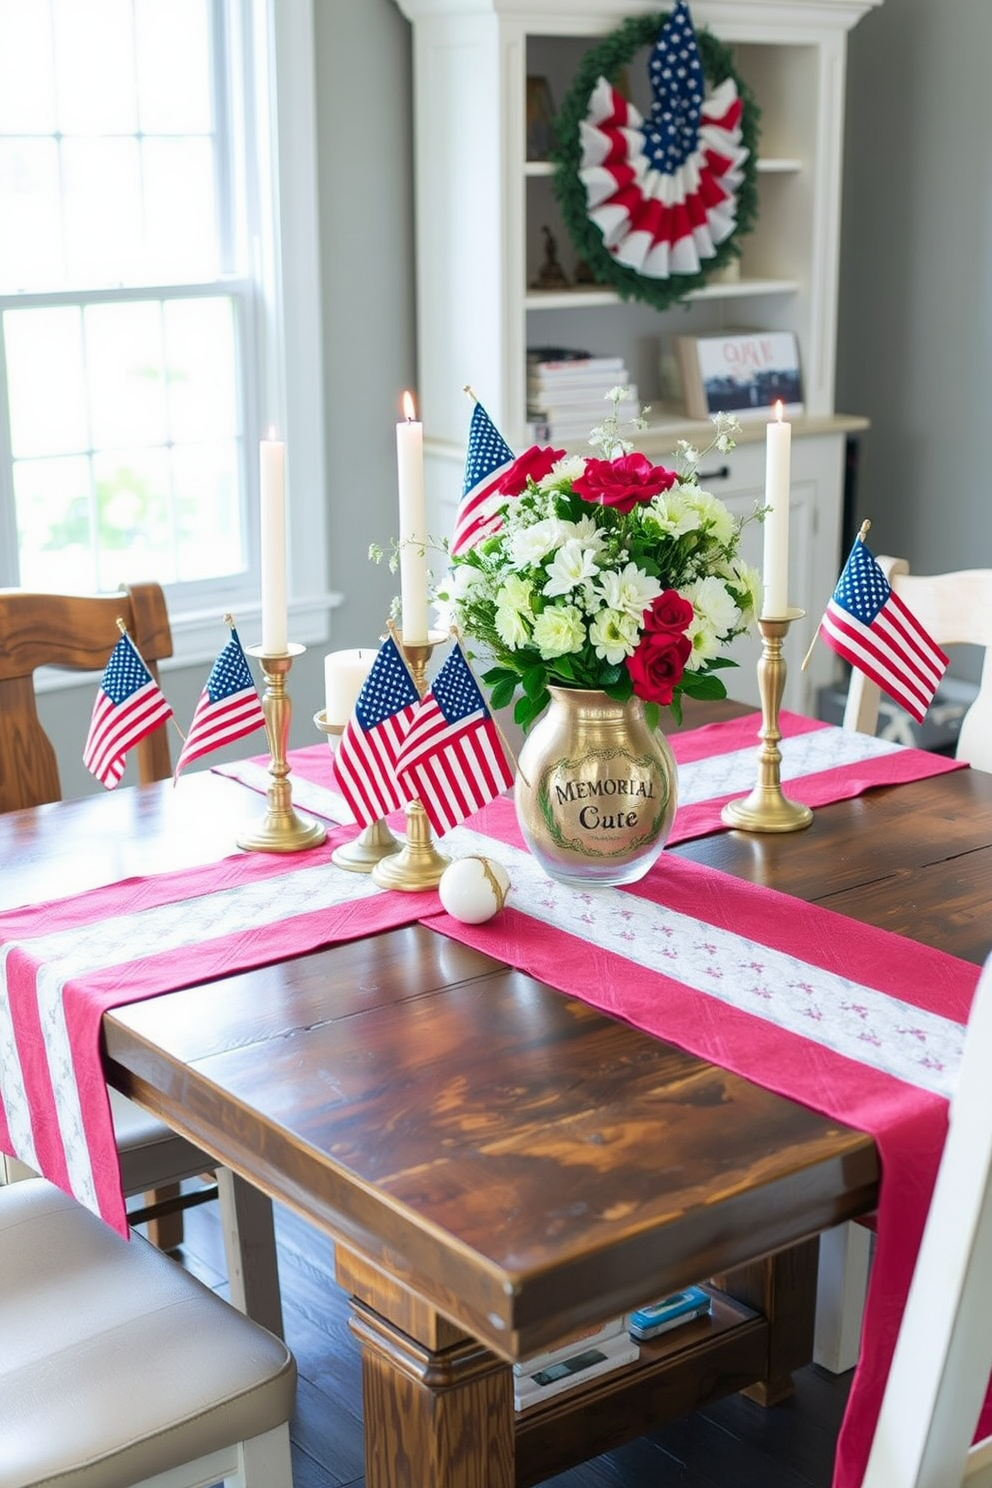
[
  {"x": 956, "y": 609},
  {"x": 78, "y": 633},
  {"x": 118, "y": 1369},
  {"x": 943, "y": 1356}
]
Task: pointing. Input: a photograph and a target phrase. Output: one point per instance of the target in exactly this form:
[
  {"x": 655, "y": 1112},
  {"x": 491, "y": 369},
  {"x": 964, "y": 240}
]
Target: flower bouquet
[{"x": 604, "y": 572}]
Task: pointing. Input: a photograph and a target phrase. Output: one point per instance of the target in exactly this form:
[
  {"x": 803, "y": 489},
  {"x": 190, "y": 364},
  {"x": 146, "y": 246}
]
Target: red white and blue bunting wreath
[{"x": 655, "y": 205}]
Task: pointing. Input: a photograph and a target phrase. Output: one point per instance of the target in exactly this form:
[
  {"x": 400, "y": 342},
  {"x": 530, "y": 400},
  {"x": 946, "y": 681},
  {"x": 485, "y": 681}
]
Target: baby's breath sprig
[{"x": 607, "y": 436}]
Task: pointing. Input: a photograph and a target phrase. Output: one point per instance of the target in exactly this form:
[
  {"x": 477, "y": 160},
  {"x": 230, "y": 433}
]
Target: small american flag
[
  {"x": 452, "y": 759},
  {"x": 868, "y": 625},
  {"x": 128, "y": 706},
  {"x": 488, "y": 457},
  {"x": 228, "y": 707},
  {"x": 365, "y": 759}
]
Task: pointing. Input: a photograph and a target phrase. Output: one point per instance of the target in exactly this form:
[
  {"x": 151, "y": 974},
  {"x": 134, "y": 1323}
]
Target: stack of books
[
  {"x": 600, "y": 1350},
  {"x": 567, "y": 392}
]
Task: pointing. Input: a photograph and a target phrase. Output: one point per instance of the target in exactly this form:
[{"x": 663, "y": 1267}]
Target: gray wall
[{"x": 915, "y": 331}]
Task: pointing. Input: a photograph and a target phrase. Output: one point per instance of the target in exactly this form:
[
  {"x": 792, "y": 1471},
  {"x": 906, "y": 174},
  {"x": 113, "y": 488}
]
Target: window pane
[
  {"x": 27, "y": 78},
  {"x": 94, "y": 67},
  {"x": 174, "y": 81},
  {"x": 180, "y": 209},
  {"x": 31, "y": 253},
  {"x": 134, "y": 503},
  {"x": 102, "y": 185},
  {"x": 45, "y": 382},
  {"x": 209, "y": 539},
  {"x": 125, "y": 375},
  {"x": 200, "y": 362},
  {"x": 54, "y": 528}
]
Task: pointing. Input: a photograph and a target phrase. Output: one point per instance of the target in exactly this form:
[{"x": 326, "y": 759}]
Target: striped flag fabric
[
  {"x": 128, "y": 706},
  {"x": 487, "y": 459},
  {"x": 365, "y": 759},
  {"x": 452, "y": 760},
  {"x": 869, "y": 625},
  {"x": 228, "y": 708}
]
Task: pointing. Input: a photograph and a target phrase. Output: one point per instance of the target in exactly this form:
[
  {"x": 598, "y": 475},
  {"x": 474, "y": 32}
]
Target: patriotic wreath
[{"x": 654, "y": 206}]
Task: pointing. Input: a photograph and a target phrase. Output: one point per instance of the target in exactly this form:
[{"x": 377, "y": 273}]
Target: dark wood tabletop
[{"x": 499, "y": 1164}]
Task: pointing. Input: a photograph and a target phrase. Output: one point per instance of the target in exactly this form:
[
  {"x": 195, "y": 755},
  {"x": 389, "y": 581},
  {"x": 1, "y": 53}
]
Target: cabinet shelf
[{"x": 581, "y": 297}]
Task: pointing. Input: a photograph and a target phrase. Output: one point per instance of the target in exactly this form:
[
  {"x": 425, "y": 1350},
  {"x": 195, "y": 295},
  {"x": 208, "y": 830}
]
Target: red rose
[
  {"x": 669, "y": 612},
  {"x": 625, "y": 483},
  {"x": 535, "y": 463},
  {"x": 657, "y": 665}
]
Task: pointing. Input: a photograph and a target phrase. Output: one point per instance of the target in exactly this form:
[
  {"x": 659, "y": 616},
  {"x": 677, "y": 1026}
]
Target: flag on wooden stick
[
  {"x": 365, "y": 759},
  {"x": 869, "y": 625},
  {"x": 228, "y": 707},
  {"x": 128, "y": 706},
  {"x": 452, "y": 759},
  {"x": 487, "y": 460}
]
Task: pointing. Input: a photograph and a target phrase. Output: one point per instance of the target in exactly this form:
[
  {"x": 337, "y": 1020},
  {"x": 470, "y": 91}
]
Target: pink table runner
[{"x": 820, "y": 763}]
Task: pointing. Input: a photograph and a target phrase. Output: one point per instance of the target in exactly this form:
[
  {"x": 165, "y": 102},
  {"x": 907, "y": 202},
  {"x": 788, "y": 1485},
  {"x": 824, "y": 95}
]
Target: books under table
[{"x": 597, "y": 1351}]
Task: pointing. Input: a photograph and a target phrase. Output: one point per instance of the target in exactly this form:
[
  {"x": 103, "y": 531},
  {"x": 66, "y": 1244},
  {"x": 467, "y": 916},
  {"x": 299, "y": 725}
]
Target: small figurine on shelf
[{"x": 551, "y": 275}]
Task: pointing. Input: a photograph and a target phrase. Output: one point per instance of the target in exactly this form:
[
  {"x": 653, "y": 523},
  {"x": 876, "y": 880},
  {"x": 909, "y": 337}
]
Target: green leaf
[
  {"x": 700, "y": 686},
  {"x": 676, "y": 707},
  {"x": 498, "y": 674},
  {"x": 527, "y": 709},
  {"x": 534, "y": 681},
  {"x": 502, "y": 692},
  {"x": 652, "y": 715}
]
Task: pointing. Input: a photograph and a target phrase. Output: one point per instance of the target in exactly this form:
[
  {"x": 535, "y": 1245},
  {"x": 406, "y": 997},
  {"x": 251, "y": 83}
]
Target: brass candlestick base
[
  {"x": 766, "y": 809},
  {"x": 375, "y": 841},
  {"x": 417, "y": 865},
  {"x": 281, "y": 828}
]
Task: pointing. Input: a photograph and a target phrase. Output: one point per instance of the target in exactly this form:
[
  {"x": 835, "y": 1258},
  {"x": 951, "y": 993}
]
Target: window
[{"x": 142, "y": 322}]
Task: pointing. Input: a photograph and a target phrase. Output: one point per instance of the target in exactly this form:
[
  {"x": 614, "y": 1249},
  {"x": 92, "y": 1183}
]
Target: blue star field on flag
[{"x": 671, "y": 132}]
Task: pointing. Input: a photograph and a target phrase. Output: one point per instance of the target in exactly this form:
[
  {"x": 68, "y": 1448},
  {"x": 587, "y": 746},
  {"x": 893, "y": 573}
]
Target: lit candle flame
[
  {"x": 409, "y": 411},
  {"x": 779, "y": 410}
]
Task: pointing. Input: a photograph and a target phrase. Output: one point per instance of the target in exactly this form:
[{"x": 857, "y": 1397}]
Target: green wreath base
[{"x": 605, "y": 60}]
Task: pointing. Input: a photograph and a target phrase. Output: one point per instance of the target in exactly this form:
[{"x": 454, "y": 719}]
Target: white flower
[
  {"x": 562, "y": 473},
  {"x": 586, "y": 531},
  {"x": 529, "y": 545},
  {"x": 614, "y": 635},
  {"x": 705, "y": 644},
  {"x": 630, "y": 592},
  {"x": 713, "y": 514},
  {"x": 673, "y": 512},
  {"x": 713, "y": 604},
  {"x": 514, "y": 593},
  {"x": 570, "y": 567},
  {"x": 558, "y": 631},
  {"x": 511, "y": 627}
]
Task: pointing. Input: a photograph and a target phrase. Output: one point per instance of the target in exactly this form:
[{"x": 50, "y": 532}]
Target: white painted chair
[
  {"x": 943, "y": 1354},
  {"x": 956, "y": 609},
  {"x": 120, "y": 1370}
]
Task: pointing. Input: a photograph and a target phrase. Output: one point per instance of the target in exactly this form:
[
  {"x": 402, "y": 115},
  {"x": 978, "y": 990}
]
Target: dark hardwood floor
[{"x": 734, "y": 1444}]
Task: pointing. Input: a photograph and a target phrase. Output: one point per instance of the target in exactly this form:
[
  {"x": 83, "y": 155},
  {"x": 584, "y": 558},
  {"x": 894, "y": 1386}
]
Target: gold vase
[{"x": 596, "y": 790}]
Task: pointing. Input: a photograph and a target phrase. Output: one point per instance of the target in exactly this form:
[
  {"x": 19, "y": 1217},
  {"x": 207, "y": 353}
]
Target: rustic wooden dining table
[{"x": 499, "y": 1165}]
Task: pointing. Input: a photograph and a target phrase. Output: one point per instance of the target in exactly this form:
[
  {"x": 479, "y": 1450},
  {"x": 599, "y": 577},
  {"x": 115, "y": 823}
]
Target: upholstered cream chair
[
  {"x": 78, "y": 633},
  {"x": 120, "y": 1370}
]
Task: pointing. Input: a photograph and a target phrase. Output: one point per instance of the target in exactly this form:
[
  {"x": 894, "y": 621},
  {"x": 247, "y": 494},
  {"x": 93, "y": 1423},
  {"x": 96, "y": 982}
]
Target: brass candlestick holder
[
  {"x": 375, "y": 841},
  {"x": 281, "y": 828},
  {"x": 418, "y": 864},
  {"x": 766, "y": 809}
]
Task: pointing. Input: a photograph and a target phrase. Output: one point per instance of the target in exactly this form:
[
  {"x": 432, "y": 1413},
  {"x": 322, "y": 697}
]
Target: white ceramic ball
[{"x": 474, "y": 889}]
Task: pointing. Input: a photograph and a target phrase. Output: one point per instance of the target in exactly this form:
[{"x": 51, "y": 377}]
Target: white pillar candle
[
  {"x": 344, "y": 673},
  {"x": 778, "y": 454},
  {"x": 272, "y": 484},
  {"x": 413, "y": 525}
]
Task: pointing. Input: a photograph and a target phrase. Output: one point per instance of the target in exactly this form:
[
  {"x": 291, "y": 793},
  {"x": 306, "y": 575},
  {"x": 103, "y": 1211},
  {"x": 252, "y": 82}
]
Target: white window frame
[{"x": 275, "y": 40}]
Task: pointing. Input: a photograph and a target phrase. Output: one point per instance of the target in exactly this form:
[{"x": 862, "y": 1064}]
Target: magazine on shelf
[
  {"x": 567, "y": 1374},
  {"x": 563, "y": 362},
  {"x": 740, "y": 372},
  {"x": 589, "y": 402}
]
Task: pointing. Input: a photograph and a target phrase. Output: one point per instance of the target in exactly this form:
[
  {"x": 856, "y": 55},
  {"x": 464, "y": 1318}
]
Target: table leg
[
  {"x": 438, "y": 1405},
  {"x": 783, "y": 1287}
]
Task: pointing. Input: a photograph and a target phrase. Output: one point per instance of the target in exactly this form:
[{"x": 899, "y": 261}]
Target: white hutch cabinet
[{"x": 481, "y": 208}]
